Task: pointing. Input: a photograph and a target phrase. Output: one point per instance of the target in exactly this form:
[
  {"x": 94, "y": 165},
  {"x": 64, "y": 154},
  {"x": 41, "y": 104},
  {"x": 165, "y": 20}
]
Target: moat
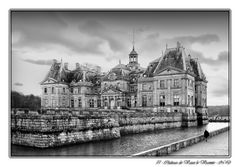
[{"x": 126, "y": 145}]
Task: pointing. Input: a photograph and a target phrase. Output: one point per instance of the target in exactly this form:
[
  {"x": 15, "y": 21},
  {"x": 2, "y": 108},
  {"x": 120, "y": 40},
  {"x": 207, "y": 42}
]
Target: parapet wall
[
  {"x": 175, "y": 146},
  {"x": 53, "y": 128}
]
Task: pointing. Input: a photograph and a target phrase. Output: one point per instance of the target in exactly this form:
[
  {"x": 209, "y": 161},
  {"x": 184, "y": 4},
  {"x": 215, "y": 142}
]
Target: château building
[
  {"x": 174, "y": 82},
  {"x": 119, "y": 85}
]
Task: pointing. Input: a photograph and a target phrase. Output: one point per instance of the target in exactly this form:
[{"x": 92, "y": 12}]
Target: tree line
[{"x": 31, "y": 102}]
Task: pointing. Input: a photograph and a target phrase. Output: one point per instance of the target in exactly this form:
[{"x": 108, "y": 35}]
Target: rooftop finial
[{"x": 133, "y": 42}]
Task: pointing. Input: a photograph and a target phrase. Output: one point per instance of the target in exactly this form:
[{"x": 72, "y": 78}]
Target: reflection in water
[{"x": 126, "y": 145}]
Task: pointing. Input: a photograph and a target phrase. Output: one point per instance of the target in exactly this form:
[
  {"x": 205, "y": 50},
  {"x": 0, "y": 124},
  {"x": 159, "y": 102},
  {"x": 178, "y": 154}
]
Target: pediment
[
  {"x": 110, "y": 91},
  {"x": 169, "y": 70},
  {"x": 49, "y": 81}
]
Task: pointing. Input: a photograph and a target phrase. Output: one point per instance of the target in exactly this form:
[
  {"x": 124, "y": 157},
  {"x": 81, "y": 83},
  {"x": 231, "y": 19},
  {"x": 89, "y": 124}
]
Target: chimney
[
  {"x": 66, "y": 66},
  {"x": 84, "y": 75},
  {"x": 77, "y": 65},
  {"x": 178, "y": 44}
]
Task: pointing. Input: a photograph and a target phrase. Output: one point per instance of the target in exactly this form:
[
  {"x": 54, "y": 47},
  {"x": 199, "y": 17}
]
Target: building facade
[
  {"x": 64, "y": 88},
  {"x": 174, "y": 82},
  {"x": 119, "y": 85}
]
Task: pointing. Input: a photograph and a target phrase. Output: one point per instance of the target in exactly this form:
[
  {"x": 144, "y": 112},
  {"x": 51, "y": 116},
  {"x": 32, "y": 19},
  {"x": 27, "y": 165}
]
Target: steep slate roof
[
  {"x": 172, "y": 57},
  {"x": 62, "y": 75},
  {"x": 150, "y": 69},
  {"x": 197, "y": 70},
  {"x": 133, "y": 52},
  {"x": 119, "y": 72},
  {"x": 176, "y": 58},
  {"x": 54, "y": 72}
]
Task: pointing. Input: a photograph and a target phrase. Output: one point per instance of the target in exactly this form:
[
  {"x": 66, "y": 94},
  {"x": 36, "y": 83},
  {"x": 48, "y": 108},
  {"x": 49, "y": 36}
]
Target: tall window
[
  {"x": 64, "y": 90},
  {"x": 162, "y": 85},
  {"x": 79, "y": 102},
  {"x": 189, "y": 100},
  {"x": 72, "y": 102},
  {"x": 98, "y": 102},
  {"x": 176, "y": 83},
  {"x": 46, "y": 102},
  {"x": 144, "y": 101},
  {"x": 91, "y": 103},
  {"x": 129, "y": 102},
  {"x": 71, "y": 90},
  {"x": 45, "y": 90},
  {"x": 162, "y": 100},
  {"x": 192, "y": 100},
  {"x": 204, "y": 102},
  {"x": 52, "y": 90},
  {"x": 144, "y": 86},
  {"x": 63, "y": 101},
  {"x": 176, "y": 100},
  {"x": 54, "y": 102},
  {"x": 79, "y": 90}
]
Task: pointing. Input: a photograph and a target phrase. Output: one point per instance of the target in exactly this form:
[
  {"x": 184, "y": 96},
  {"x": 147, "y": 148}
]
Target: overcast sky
[{"x": 104, "y": 38}]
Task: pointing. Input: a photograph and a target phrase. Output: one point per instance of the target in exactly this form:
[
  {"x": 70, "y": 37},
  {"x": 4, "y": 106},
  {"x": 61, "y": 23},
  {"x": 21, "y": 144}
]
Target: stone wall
[
  {"x": 144, "y": 122},
  {"x": 55, "y": 128}
]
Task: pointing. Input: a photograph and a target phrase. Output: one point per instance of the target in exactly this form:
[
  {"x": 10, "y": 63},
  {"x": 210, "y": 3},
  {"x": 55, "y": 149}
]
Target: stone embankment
[
  {"x": 172, "y": 147},
  {"x": 56, "y": 128}
]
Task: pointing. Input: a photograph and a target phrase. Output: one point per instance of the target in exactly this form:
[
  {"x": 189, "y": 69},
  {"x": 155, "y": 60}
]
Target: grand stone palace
[{"x": 174, "y": 82}]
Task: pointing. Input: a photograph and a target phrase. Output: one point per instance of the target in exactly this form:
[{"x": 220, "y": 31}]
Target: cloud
[
  {"x": 46, "y": 29},
  {"x": 189, "y": 40},
  {"x": 96, "y": 29},
  {"x": 18, "y": 84},
  {"x": 222, "y": 58},
  {"x": 153, "y": 36},
  {"x": 39, "y": 62}
]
